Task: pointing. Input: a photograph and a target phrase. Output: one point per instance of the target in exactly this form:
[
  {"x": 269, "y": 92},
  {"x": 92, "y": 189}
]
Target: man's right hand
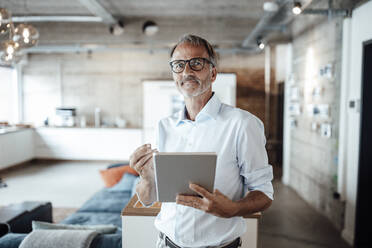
[{"x": 141, "y": 161}]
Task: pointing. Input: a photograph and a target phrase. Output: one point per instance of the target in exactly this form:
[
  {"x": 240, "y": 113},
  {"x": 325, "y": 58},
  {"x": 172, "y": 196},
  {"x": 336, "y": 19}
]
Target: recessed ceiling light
[
  {"x": 150, "y": 28},
  {"x": 297, "y": 8}
]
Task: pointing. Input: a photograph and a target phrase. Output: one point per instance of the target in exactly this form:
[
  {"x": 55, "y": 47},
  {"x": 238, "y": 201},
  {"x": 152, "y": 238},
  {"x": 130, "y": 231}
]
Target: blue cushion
[
  {"x": 107, "y": 201},
  {"x": 12, "y": 240},
  {"x": 96, "y": 218},
  {"x": 107, "y": 241},
  {"x": 118, "y": 165},
  {"x": 125, "y": 183}
]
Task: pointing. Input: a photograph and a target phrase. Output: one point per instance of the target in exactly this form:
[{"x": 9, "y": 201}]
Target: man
[{"x": 243, "y": 175}]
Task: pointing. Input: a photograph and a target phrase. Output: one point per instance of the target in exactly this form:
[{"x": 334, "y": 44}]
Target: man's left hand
[{"x": 214, "y": 203}]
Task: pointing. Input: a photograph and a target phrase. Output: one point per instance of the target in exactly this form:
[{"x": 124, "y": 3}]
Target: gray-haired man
[{"x": 243, "y": 175}]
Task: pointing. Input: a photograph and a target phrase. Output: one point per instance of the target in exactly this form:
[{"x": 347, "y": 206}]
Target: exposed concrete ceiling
[
  {"x": 226, "y": 23},
  {"x": 142, "y": 8}
]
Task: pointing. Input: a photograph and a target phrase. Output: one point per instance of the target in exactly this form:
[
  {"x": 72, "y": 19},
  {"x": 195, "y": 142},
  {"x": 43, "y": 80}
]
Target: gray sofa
[{"x": 104, "y": 207}]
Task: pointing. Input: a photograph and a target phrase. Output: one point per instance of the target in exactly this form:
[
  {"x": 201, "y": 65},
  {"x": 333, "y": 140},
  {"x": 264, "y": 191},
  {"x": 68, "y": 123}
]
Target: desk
[{"x": 139, "y": 230}]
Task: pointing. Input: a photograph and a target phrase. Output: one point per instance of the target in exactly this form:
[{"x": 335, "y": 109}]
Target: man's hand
[
  {"x": 141, "y": 161},
  {"x": 214, "y": 203}
]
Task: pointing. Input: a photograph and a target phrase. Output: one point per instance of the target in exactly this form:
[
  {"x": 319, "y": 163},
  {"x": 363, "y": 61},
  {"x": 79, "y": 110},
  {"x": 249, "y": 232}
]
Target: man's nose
[{"x": 187, "y": 69}]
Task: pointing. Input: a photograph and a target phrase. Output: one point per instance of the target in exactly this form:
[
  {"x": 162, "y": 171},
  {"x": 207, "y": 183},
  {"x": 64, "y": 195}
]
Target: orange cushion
[{"x": 113, "y": 175}]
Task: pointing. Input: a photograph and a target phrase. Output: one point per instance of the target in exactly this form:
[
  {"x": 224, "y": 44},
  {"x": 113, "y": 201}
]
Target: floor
[
  {"x": 64, "y": 183},
  {"x": 289, "y": 223}
]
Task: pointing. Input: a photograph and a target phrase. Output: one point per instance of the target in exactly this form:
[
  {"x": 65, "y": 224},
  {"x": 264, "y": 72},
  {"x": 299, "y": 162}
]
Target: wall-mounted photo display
[
  {"x": 326, "y": 130},
  {"x": 318, "y": 110},
  {"x": 326, "y": 71},
  {"x": 295, "y": 93},
  {"x": 293, "y": 122},
  {"x": 295, "y": 109},
  {"x": 317, "y": 91}
]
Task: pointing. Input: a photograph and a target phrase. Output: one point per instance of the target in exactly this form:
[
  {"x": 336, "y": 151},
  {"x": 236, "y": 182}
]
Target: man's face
[{"x": 189, "y": 82}]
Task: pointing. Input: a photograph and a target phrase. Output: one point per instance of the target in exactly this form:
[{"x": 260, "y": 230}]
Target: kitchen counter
[
  {"x": 16, "y": 146},
  {"x": 88, "y": 143},
  {"x": 7, "y": 130}
]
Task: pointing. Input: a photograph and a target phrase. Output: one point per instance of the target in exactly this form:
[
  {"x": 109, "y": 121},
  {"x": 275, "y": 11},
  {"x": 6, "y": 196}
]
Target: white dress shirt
[{"x": 237, "y": 137}]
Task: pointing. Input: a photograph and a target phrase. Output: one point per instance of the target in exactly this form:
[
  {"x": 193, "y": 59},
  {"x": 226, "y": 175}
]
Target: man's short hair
[{"x": 197, "y": 41}]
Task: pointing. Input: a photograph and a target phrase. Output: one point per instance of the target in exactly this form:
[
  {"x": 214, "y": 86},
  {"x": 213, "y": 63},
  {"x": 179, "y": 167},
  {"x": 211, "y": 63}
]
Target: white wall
[{"x": 360, "y": 31}]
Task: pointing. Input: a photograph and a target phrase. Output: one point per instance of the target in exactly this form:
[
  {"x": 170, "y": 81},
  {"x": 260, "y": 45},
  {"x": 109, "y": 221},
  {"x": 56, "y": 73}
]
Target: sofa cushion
[
  {"x": 12, "y": 240},
  {"x": 104, "y": 229},
  {"x": 125, "y": 183},
  {"x": 106, "y": 201},
  {"x": 85, "y": 218},
  {"x": 118, "y": 165},
  {"x": 112, "y": 176},
  {"x": 107, "y": 241}
]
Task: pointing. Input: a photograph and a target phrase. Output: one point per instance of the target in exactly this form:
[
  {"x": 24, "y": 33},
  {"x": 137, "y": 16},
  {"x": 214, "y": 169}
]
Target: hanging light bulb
[
  {"x": 9, "y": 51},
  {"x": 26, "y": 35},
  {"x": 5, "y": 21}
]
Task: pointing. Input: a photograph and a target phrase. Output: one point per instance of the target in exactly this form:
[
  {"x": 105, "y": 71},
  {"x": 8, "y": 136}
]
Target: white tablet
[{"x": 174, "y": 172}]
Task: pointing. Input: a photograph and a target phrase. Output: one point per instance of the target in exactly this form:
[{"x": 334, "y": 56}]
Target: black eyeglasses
[{"x": 197, "y": 64}]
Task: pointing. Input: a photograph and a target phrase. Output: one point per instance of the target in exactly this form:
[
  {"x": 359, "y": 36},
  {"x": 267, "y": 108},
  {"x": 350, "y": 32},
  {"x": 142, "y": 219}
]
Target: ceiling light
[
  {"x": 118, "y": 28},
  {"x": 260, "y": 43},
  {"x": 297, "y": 8},
  {"x": 270, "y": 6},
  {"x": 26, "y": 35},
  {"x": 5, "y": 20},
  {"x": 150, "y": 28}
]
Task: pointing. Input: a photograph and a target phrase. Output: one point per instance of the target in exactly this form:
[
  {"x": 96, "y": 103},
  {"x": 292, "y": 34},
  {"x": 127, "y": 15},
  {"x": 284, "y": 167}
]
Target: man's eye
[
  {"x": 196, "y": 62},
  {"x": 179, "y": 65}
]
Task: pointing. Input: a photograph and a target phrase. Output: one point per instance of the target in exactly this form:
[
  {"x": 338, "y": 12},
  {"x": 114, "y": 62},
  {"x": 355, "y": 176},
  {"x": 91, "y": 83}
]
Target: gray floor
[
  {"x": 63, "y": 183},
  {"x": 291, "y": 223}
]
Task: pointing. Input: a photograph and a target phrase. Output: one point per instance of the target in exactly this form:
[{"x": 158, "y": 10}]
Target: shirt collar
[{"x": 211, "y": 110}]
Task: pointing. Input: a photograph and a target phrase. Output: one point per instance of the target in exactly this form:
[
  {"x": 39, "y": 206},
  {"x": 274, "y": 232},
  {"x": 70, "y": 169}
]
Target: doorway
[{"x": 363, "y": 217}]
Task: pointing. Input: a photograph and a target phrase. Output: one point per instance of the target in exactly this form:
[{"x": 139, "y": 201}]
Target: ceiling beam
[
  {"x": 56, "y": 19},
  {"x": 96, "y": 8}
]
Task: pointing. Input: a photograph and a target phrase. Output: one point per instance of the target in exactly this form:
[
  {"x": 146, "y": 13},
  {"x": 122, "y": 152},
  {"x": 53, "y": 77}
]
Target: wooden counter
[
  {"x": 139, "y": 230},
  {"x": 135, "y": 208}
]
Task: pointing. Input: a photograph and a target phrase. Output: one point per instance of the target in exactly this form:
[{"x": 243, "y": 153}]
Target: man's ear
[{"x": 214, "y": 74}]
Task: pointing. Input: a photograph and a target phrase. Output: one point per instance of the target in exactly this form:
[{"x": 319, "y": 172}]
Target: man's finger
[
  {"x": 201, "y": 191},
  {"x": 190, "y": 201},
  {"x": 142, "y": 162},
  {"x": 139, "y": 153},
  {"x": 137, "y": 156}
]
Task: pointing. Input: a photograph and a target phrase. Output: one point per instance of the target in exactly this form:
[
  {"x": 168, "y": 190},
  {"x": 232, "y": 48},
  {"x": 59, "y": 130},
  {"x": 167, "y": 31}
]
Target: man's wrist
[{"x": 237, "y": 207}]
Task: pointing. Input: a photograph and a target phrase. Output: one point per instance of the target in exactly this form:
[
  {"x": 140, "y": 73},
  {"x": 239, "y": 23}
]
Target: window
[{"x": 8, "y": 95}]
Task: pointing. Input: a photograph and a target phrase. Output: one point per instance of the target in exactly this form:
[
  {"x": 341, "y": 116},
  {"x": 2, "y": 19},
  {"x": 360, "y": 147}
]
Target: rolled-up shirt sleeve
[{"x": 255, "y": 170}]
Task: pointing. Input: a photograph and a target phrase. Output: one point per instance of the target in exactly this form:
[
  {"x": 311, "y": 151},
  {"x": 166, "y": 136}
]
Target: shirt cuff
[{"x": 266, "y": 188}]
